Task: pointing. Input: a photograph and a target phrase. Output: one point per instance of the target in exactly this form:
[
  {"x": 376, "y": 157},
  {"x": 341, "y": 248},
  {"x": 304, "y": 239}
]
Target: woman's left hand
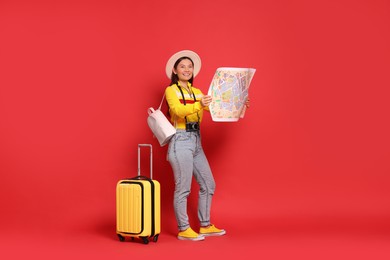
[{"x": 247, "y": 103}]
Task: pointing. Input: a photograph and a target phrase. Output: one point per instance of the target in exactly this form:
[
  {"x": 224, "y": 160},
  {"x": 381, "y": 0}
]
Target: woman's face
[{"x": 184, "y": 70}]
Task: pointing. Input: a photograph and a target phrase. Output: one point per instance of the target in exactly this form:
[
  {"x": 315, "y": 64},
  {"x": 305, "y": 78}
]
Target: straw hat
[{"x": 184, "y": 53}]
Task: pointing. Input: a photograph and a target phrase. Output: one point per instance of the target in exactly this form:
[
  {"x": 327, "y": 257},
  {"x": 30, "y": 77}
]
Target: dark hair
[{"x": 174, "y": 77}]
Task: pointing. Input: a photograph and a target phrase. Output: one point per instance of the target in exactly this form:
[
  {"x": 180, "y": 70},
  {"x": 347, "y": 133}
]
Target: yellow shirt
[{"x": 193, "y": 110}]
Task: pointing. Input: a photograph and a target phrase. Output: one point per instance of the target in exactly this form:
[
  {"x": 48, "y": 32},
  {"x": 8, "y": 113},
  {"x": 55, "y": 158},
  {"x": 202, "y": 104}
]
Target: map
[{"x": 229, "y": 90}]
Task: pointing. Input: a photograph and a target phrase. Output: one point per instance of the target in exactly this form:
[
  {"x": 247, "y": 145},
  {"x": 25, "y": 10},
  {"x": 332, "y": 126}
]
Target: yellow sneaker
[
  {"x": 211, "y": 231},
  {"x": 189, "y": 234}
]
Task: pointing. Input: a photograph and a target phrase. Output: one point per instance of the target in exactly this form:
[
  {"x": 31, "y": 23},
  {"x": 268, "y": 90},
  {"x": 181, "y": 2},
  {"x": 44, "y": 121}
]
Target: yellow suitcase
[{"x": 138, "y": 205}]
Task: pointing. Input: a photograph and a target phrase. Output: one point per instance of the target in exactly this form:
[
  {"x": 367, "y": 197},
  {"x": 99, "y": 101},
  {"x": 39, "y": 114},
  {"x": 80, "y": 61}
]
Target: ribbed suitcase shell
[{"x": 138, "y": 206}]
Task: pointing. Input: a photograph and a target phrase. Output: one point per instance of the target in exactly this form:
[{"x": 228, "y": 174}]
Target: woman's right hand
[{"x": 206, "y": 100}]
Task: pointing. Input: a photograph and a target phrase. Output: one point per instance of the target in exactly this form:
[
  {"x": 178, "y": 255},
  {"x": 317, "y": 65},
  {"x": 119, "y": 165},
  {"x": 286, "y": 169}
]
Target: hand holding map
[
  {"x": 205, "y": 100},
  {"x": 229, "y": 90}
]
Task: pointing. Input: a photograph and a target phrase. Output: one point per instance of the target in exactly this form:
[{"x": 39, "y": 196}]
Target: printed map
[{"x": 229, "y": 90}]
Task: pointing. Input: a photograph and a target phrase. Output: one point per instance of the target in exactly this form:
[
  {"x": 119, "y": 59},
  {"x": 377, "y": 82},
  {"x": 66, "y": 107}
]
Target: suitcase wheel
[
  {"x": 155, "y": 238},
  {"x": 121, "y": 238},
  {"x": 145, "y": 240}
]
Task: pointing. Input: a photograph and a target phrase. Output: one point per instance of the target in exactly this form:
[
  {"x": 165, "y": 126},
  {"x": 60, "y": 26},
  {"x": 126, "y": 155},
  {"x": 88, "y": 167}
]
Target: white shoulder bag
[{"x": 162, "y": 129}]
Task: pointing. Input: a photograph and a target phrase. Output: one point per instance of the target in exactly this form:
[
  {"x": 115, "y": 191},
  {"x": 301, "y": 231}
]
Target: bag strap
[{"x": 161, "y": 101}]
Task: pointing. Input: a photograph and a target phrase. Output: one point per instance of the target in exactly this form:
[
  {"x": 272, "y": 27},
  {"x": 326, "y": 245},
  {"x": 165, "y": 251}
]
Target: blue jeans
[{"x": 187, "y": 158}]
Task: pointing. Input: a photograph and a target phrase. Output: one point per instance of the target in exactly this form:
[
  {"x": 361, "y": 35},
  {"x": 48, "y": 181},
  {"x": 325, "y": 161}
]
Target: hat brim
[{"x": 184, "y": 53}]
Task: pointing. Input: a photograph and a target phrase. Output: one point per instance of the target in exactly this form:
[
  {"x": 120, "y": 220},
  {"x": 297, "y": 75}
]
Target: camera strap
[{"x": 184, "y": 100}]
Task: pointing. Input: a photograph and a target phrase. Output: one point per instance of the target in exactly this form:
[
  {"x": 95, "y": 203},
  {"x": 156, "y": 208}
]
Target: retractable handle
[{"x": 151, "y": 159}]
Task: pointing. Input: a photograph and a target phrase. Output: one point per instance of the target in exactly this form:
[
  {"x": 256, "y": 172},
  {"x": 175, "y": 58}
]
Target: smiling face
[{"x": 184, "y": 70}]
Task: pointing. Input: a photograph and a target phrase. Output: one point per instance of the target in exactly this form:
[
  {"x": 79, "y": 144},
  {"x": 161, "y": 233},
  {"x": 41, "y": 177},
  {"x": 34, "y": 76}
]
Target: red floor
[{"x": 266, "y": 242}]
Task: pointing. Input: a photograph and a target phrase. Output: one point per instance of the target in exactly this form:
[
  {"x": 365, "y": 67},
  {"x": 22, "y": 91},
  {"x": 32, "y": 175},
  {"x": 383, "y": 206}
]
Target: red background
[{"x": 304, "y": 175}]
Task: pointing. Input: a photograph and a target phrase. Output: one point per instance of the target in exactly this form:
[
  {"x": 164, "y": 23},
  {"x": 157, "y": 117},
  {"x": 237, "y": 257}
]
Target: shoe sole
[
  {"x": 215, "y": 234},
  {"x": 199, "y": 238}
]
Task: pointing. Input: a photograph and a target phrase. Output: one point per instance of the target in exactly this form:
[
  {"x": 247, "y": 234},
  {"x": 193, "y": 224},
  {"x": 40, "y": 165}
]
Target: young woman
[{"x": 185, "y": 153}]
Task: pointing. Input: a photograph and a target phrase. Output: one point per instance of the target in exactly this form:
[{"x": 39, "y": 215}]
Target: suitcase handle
[
  {"x": 141, "y": 177},
  {"x": 151, "y": 159}
]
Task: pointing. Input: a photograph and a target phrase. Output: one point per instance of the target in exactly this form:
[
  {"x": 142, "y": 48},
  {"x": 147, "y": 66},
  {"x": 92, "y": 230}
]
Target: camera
[{"x": 192, "y": 126}]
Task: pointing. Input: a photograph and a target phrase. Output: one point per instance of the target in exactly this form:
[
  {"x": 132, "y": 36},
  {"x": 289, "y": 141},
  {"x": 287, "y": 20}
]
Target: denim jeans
[{"x": 187, "y": 158}]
